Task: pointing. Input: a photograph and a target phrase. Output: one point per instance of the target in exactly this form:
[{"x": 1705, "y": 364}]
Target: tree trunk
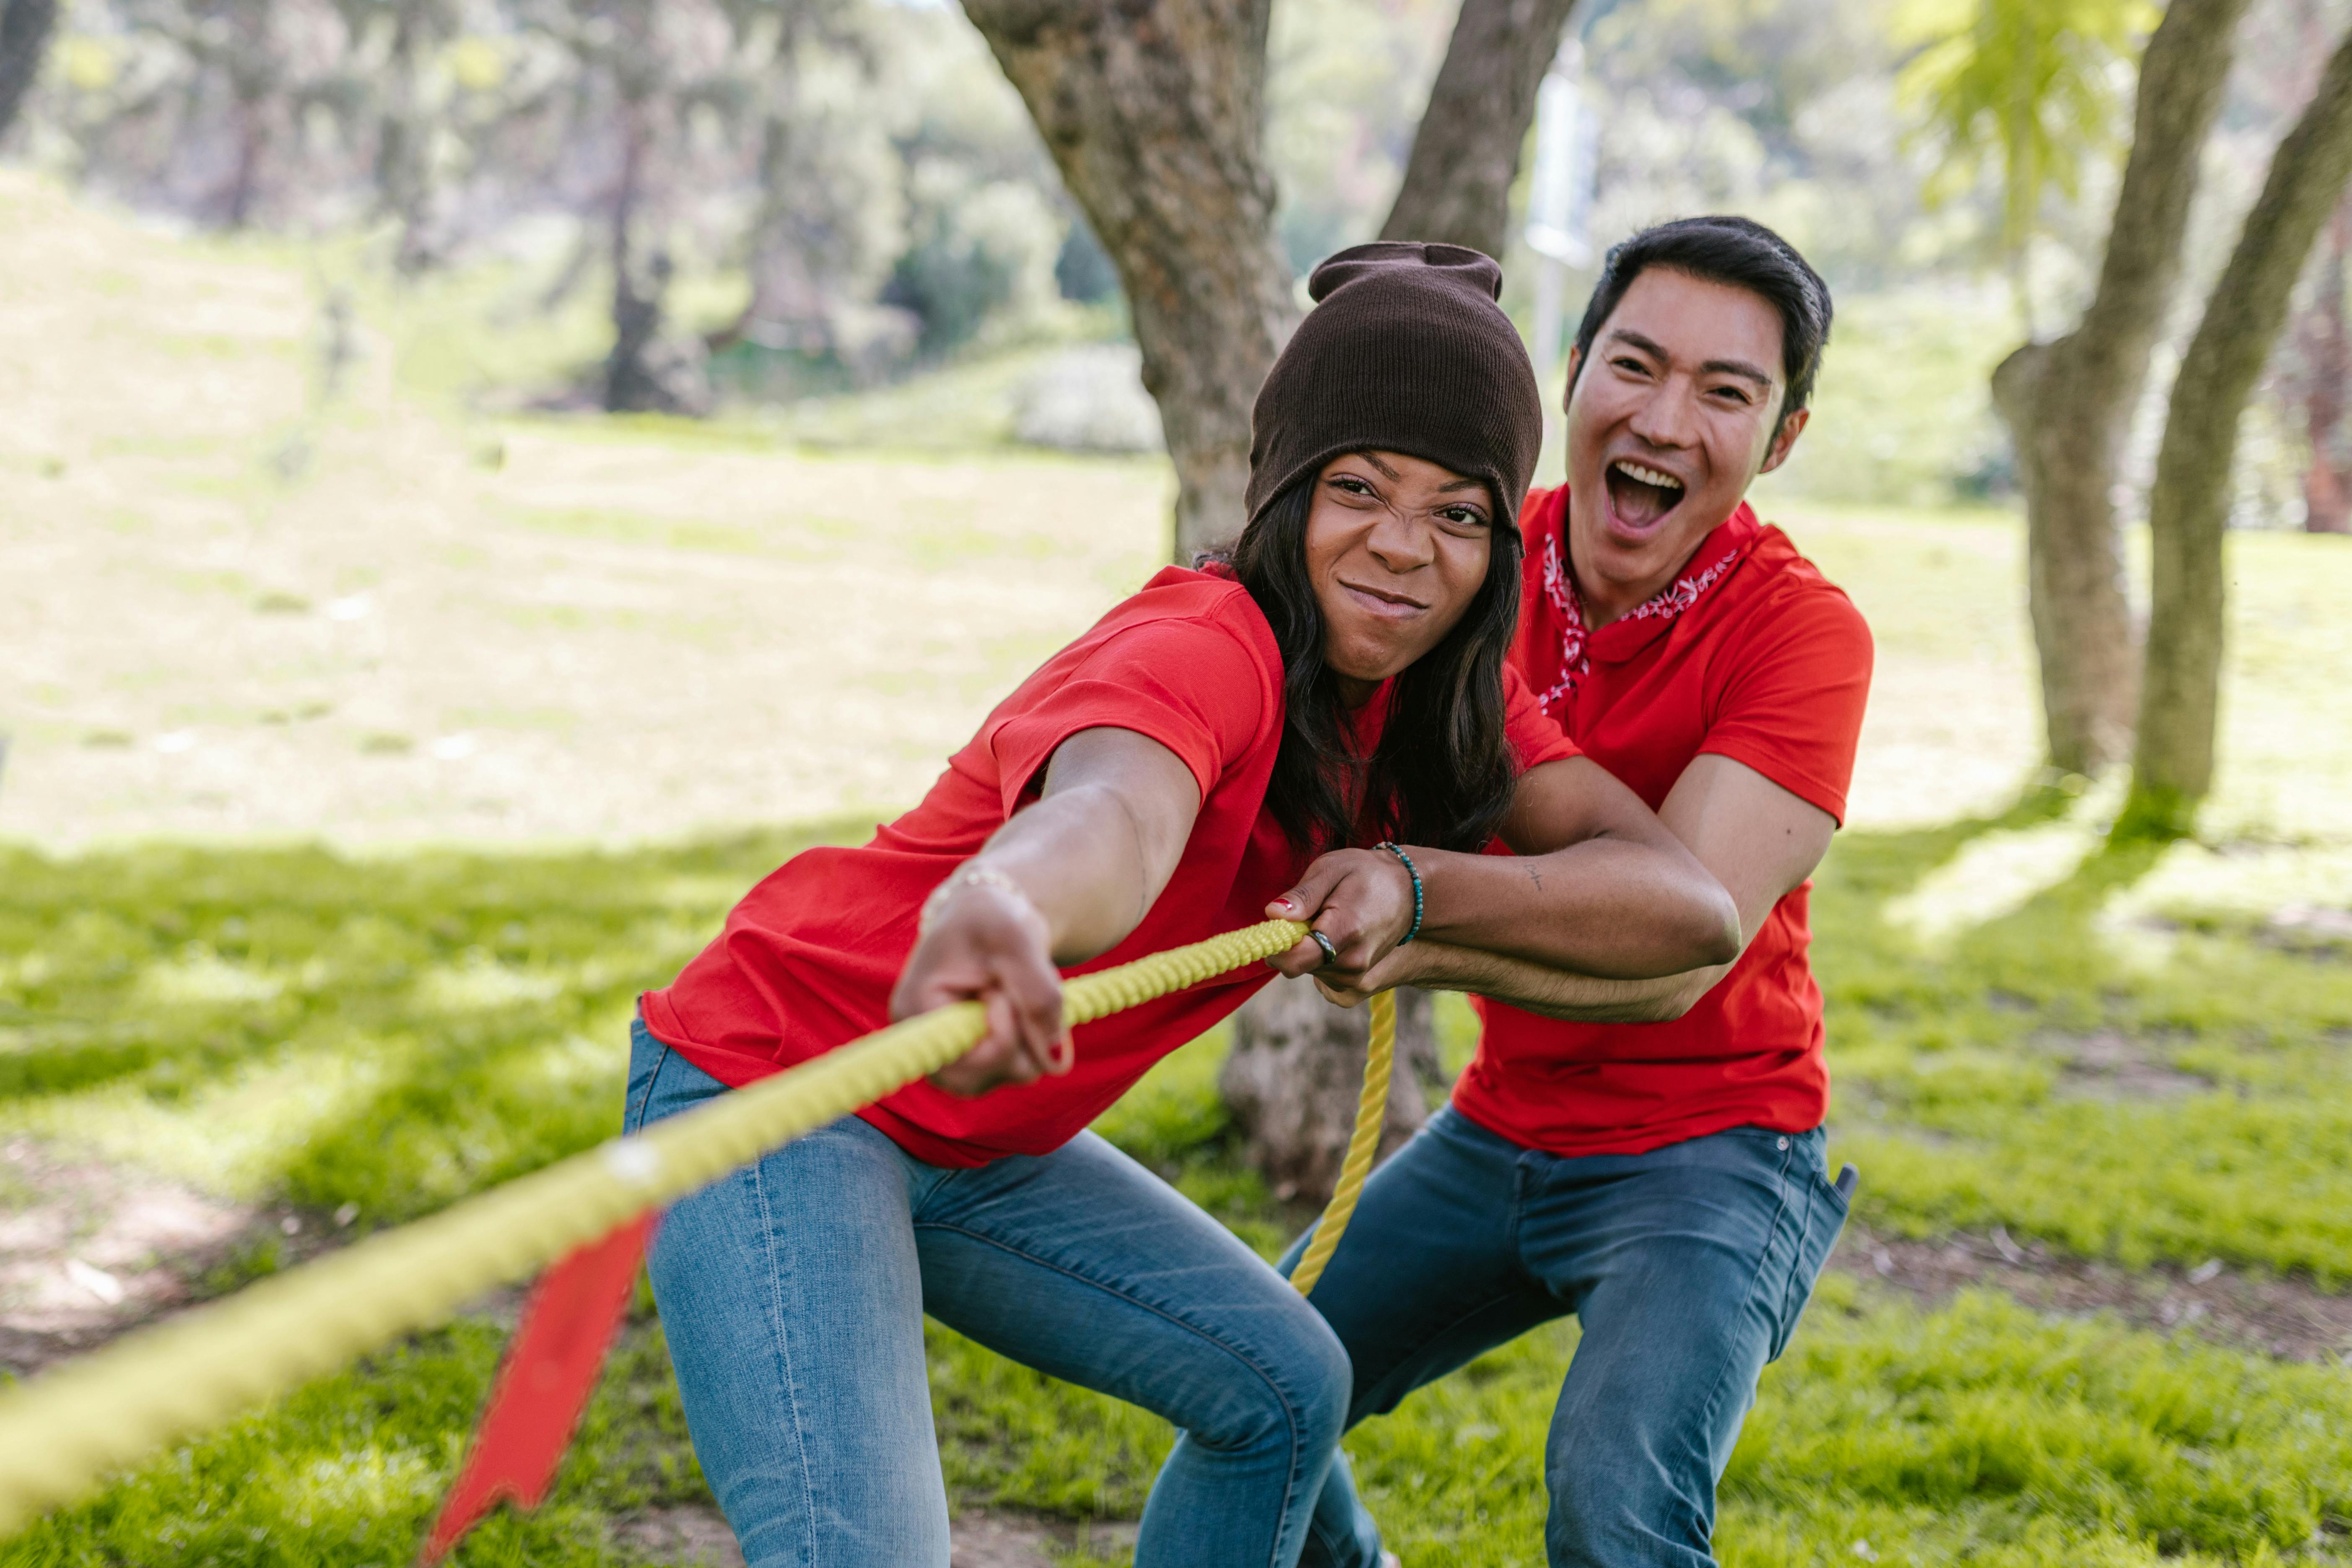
[
  {"x": 1154, "y": 112},
  {"x": 648, "y": 370},
  {"x": 2068, "y": 404},
  {"x": 1296, "y": 1071},
  {"x": 1466, "y": 153},
  {"x": 24, "y": 29},
  {"x": 2323, "y": 367},
  {"x": 2189, "y": 508},
  {"x": 404, "y": 158}
]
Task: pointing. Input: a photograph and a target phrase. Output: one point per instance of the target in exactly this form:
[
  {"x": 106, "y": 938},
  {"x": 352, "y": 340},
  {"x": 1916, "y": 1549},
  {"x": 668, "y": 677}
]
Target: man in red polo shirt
[{"x": 1645, "y": 1155}]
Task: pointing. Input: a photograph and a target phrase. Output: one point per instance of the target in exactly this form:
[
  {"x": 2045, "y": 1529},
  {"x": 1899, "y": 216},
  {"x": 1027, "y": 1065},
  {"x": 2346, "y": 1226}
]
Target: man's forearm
[
  {"x": 1553, "y": 993},
  {"x": 1606, "y": 909}
]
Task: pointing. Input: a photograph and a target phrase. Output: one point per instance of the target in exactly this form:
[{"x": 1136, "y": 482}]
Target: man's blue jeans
[
  {"x": 792, "y": 1292},
  {"x": 1687, "y": 1265}
]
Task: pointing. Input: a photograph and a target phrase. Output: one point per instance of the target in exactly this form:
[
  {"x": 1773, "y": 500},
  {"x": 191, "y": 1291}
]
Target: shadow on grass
[
  {"x": 2124, "y": 1092},
  {"x": 485, "y": 997}
]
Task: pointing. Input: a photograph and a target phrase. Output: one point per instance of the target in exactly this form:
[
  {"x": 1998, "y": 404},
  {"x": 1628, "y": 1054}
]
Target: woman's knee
[
  {"x": 1290, "y": 1386},
  {"x": 1333, "y": 1381}
]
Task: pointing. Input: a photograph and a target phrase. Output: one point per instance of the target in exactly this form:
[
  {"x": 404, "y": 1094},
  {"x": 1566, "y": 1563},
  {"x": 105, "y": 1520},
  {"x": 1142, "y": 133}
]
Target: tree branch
[
  {"x": 1153, "y": 111},
  {"x": 1466, "y": 153}
]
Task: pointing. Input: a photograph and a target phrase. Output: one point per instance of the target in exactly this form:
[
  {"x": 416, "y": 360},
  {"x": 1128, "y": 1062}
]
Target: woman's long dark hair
[{"x": 1443, "y": 771}]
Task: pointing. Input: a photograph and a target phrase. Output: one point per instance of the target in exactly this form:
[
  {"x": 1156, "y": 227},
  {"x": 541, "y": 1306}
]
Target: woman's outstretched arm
[{"x": 1063, "y": 880}]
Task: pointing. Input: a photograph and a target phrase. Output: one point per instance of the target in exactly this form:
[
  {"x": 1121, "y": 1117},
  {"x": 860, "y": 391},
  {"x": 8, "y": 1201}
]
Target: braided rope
[
  {"x": 1371, "y": 1108},
  {"x": 62, "y": 1431}
]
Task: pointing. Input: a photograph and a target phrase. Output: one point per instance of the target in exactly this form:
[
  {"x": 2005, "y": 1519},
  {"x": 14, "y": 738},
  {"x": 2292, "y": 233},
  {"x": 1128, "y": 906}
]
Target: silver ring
[{"x": 1330, "y": 953}]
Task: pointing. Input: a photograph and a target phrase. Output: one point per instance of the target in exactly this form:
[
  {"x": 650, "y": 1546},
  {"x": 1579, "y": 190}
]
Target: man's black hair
[{"x": 1742, "y": 254}]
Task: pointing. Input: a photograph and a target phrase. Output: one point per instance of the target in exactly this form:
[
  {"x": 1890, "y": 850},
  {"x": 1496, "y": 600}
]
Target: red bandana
[{"x": 1560, "y": 587}]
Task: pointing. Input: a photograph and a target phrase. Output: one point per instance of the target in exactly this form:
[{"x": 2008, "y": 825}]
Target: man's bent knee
[{"x": 1625, "y": 1508}]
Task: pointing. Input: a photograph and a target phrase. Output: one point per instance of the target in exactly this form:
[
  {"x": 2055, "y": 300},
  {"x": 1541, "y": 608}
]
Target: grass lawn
[
  {"x": 2094, "y": 1307},
  {"x": 393, "y": 1032}
]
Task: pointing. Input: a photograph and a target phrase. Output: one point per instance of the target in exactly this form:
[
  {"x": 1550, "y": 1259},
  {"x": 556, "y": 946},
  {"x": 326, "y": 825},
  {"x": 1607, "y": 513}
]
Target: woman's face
[{"x": 1397, "y": 549}]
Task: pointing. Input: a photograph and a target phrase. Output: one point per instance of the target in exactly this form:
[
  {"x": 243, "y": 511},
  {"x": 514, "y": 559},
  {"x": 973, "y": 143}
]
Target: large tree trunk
[
  {"x": 403, "y": 157},
  {"x": 1466, "y": 153},
  {"x": 2069, "y": 404},
  {"x": 1295, "y": 1071},
  {"x": 649, "y": 371},
  {"x": 2172, "y": 767},
  {"x": 24, "y": 29},
  {"x": 2323, "y": 375},
  {"x": 1154, "y": 112}
]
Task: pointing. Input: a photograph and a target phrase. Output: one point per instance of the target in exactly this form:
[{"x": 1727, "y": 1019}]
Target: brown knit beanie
[{"x": 1406, "y": 350}]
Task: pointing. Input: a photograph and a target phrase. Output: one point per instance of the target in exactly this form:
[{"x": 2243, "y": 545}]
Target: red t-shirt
[
  {"x": 1753, "y": 655},
  {"x": 808, "y": 959}
]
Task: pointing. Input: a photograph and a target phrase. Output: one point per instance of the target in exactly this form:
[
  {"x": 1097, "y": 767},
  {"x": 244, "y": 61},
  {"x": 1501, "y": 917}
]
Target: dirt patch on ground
[
  {"x": 2310, "y": 929},
  {"x": 2280, "y": 1316},
  {"x": 699, "y": 1538},
  {"x": 2111, "y": 1065},
  {"x": 90, "y": 1250}
]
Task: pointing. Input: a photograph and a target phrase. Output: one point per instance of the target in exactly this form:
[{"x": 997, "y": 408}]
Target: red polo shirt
[
  {"x": 1753, "y": 655},
  {"x": 807, "y": 960}
]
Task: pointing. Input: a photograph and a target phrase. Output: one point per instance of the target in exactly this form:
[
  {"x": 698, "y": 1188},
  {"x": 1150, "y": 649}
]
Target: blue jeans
[
  {"x": 792, "y": 1292},
  {"x": 1688, "y": 1267}
]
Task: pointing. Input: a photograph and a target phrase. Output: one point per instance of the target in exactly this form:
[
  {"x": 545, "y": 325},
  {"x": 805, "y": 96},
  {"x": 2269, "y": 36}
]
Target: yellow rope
[
  {"x": 61, "y": 1432},
  {"x": 1371, "y": 1108}
]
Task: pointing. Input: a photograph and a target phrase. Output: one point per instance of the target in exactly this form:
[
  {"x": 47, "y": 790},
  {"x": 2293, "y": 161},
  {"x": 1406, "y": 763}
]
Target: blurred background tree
[
  {"x": 2188, "y": 506},
  {"x": 2069, "y": 401},
  {"x": 2028, "y": 90},
  {"x": 24, "y": 28}
]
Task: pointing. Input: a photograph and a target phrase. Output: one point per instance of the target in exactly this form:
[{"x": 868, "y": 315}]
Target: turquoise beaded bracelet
[{"x": 1415, "y": 872}]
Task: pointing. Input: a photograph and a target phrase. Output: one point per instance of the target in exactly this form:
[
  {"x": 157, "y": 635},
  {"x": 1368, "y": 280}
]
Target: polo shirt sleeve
[
  {"x": 1536, "y": 738},
  {"x": 1794, "y": 695},
  {"x": 1192, "y": 685}
]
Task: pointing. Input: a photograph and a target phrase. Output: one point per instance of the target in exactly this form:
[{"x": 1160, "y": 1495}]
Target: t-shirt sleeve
[
  {"x": 1192, "y": 685},
  {"x": 1792, "y": 704},
  {"x": 1535, "y": 738}
]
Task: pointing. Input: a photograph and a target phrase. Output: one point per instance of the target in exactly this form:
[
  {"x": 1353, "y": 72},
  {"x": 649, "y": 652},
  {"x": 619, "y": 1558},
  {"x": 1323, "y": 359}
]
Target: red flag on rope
[{"x": 542, "y": 1386}]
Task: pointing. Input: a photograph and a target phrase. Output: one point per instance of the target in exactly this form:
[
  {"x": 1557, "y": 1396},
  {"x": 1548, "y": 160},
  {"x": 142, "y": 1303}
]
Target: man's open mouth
[{"x": 1639, "y": 494}]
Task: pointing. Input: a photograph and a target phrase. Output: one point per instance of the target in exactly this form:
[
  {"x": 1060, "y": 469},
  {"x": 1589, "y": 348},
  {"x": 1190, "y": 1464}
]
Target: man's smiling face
[{"x": 1669, "y": 421}]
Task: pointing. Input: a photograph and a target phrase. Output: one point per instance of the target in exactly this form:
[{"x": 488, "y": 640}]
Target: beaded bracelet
[
  {"x": 969, "y": 875},
  {"x": 1415, "y": 872}
]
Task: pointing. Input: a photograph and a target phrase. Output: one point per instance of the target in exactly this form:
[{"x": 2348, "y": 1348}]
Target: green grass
[
  {"x": 398, "y": 1031},
  {"x": 393, "y": 1033},
  {"x": 349, "y": 1471},
  {"x": 1953, "y": 1096}
]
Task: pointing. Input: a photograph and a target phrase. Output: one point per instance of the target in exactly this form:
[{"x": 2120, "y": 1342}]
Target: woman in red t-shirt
[{"x": 1338, "y": 680}]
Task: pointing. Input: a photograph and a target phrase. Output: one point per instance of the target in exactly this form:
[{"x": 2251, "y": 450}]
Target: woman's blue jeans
[
  {"x": 1687, "y": 1266},
  {"x": 792, "y": 1292}
]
